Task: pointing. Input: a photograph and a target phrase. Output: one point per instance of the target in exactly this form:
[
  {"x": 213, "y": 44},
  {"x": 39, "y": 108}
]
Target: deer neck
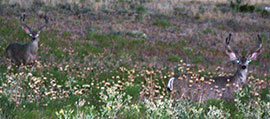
[
  {"x": 33, "y": 46},
  {"x": 240, "y": 76}
]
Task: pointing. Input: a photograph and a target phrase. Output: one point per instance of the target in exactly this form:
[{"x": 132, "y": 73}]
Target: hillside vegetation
[{"x": 104, "y": 62}]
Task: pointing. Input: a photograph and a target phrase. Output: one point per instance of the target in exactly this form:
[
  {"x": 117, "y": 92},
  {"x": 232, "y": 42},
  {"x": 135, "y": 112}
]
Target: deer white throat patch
[{"x": 244, "y": 75}]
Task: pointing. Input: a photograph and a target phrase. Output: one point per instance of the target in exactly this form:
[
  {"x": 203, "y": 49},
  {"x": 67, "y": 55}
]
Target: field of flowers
[{"x": 116, "y": 64}]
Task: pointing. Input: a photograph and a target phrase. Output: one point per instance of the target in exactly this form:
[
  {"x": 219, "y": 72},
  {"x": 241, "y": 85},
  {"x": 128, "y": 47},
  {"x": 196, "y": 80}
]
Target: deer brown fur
[
  {"x": 25, "y": 54},
  {"x": 201, "y": 89}
]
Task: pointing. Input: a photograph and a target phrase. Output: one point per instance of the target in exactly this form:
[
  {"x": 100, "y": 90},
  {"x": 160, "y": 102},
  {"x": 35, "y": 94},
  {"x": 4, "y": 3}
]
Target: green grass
[
  {"x": 163, "y": 23},
  {"x": 198, "y": 59},
  {"x": 182, "y": 43},
  {"x": 207, "y": 31},
  {"x": 84, "y": 49},
  {"x": 173, "y": 58}
]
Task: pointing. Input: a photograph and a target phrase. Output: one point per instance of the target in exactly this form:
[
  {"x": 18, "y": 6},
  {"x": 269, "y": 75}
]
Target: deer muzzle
[{"x": 243, "y": 66}]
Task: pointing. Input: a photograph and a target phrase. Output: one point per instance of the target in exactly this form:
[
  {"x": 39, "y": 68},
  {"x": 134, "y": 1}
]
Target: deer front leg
[
  {"x": 29, "y": 61},
  {"x": 32, "y": 69},
  {"x": 33, "y": 64},
  {"x": 18, "y": 68}
]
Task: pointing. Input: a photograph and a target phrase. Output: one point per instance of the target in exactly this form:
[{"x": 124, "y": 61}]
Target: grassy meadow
[{"x": 104, "y": 62}]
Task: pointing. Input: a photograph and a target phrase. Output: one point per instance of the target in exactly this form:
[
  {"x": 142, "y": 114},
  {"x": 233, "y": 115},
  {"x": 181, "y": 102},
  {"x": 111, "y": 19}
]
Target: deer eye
[
  {"x": 31, "y": 35},
  {"x": 249, "y": 61},
  {"x": 37, "y": 35},
  {"x": 238, "y": 61}
]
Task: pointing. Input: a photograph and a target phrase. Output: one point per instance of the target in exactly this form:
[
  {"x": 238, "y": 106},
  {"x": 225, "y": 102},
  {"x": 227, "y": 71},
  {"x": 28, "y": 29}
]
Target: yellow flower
[
  {"x": 109, "y": 107},
  {"x": 136, "y": 106},
  {"x": 61, "y": 111}
]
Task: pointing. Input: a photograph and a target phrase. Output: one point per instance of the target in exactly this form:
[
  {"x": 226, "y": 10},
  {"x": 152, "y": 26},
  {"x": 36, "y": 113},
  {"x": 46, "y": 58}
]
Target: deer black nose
[{"x": 244, "y": 67}]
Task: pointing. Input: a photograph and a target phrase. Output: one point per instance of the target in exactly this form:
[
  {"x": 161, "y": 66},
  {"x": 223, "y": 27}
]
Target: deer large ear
[
  {"x": 26, "y": 29},
  {"x": 232, "y": 55},
  {"x": 258, "y": 51}
]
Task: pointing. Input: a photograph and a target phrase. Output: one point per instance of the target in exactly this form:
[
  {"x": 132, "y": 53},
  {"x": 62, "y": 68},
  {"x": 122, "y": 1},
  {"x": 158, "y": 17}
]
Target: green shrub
[{"x": 239, "y": 5}]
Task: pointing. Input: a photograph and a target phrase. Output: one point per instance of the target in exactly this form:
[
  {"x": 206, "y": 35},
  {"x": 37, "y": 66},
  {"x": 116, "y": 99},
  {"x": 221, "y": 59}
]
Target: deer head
[
  {"x": 243, "y": 61},
  {"x": 33, "y": 34}
]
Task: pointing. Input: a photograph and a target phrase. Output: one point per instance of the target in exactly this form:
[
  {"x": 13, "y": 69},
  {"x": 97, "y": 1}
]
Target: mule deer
[
  {"x": 201, "y": 89},
  {"x": 25, "y": 54}
]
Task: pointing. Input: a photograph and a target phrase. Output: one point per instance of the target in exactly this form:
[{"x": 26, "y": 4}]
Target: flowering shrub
[
  {"x": 114, "y": 101},
  {"x": 160, "y": 109},
  {"x": 117, "y": 104},
  {"x": 215, "y": 113},
  {"x": 252, "y": 107},
  {"x": 21, "y": 87},
  {"x": 124, "y": 98}
]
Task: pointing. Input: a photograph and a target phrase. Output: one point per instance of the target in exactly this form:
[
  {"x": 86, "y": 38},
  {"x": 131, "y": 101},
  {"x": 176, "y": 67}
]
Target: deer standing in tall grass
[
  {"x": 25, "y": 54},
  {"x": 200, "y": 89}
]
